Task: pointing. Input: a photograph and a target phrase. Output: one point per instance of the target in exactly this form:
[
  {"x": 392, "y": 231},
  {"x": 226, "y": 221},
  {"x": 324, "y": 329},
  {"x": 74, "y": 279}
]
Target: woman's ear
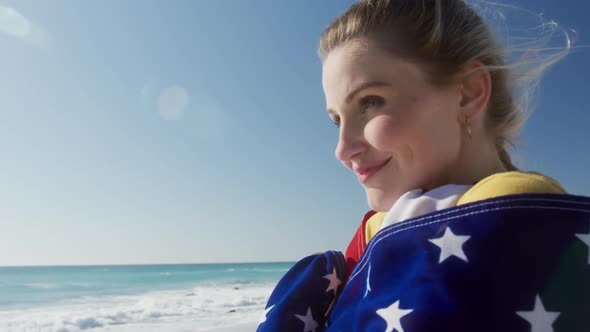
[{"x": 476, "y": 88}]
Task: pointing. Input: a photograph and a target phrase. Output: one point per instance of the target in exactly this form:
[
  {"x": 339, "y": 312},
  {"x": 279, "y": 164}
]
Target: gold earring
[{"x": 466, "y": 123}]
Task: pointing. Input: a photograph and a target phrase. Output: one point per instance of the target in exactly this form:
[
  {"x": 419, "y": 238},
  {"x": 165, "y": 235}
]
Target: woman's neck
[{"x": 480, "y": 159}]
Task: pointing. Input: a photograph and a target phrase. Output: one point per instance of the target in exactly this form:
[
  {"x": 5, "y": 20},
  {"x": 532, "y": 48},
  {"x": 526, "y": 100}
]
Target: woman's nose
[{"x": 350, "y": 143}]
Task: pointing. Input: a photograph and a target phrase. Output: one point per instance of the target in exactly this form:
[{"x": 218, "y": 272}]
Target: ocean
[{"x": 150, "y": 297}]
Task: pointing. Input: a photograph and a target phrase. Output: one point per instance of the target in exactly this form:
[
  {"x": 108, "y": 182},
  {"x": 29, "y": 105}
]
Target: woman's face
[{"x": 397, "y": 132}]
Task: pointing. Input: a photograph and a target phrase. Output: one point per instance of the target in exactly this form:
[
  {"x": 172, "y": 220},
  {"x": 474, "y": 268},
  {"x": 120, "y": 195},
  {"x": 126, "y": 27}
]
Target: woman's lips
[{"x": 365, "y": 173}]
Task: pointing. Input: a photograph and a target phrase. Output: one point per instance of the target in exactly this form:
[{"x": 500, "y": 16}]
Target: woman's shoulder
[{"x": 511, "y": 183}]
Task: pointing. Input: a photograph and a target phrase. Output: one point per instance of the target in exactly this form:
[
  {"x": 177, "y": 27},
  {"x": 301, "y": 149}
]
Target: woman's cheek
[{"x": 382, "y": 132}]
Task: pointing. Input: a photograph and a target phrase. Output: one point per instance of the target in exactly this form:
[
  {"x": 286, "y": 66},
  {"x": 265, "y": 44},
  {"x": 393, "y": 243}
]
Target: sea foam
[{"x": 202, "y": 307}]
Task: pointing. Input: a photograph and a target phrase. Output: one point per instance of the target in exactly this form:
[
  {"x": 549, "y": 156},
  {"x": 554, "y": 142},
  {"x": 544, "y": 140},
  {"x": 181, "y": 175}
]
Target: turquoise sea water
[{"x": 74, "y": 298}]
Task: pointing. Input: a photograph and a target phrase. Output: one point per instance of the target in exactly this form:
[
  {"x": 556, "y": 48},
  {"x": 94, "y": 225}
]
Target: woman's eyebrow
[{"x": 363, "y": 86}]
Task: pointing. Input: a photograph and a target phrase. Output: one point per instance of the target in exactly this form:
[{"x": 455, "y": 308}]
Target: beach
[
  {"x": 175, "y": 327},
  {"x": 237, "y": 328},
  {"x": 175, "y": 298}
]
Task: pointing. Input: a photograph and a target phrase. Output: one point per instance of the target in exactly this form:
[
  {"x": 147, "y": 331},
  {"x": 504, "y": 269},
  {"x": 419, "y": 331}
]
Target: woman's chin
[{"x": 379, "y": 200}]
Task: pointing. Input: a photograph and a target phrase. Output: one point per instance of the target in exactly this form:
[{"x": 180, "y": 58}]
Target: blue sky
[{"x": 195, "y": 131}]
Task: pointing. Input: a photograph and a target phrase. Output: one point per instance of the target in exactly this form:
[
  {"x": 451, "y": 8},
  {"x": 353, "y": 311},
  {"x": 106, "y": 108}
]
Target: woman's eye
[
  {"x": 336, "y": 121},
  {"x": 370, "y": 102}
]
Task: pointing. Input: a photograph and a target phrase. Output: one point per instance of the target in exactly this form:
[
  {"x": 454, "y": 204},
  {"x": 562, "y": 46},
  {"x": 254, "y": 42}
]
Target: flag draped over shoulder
[{"x": 513, "y": 263}]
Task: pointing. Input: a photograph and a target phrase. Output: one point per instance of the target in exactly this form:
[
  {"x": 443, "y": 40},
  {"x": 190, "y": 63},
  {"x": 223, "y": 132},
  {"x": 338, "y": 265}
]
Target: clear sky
[{"x": 195, "y": 131}]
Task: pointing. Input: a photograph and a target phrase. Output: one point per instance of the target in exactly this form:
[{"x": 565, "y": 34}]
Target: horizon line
[{"x": 144, "y": 264}]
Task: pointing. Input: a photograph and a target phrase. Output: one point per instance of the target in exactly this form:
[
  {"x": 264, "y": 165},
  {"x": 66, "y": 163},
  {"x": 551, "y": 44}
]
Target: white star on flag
[
  {"x": 310, "y": 323},
  {"x": 586, "y": 239},
  {"x": 540, "y": 320},
  {"x": 451, "y": 245},
  {"x": 392, "y": 316},
  {"x": 334, "y": 281},
  {"x": 266, "y": 311}
]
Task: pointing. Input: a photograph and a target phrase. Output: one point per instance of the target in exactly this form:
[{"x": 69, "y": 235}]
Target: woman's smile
[{"x": 366, "y": 171}]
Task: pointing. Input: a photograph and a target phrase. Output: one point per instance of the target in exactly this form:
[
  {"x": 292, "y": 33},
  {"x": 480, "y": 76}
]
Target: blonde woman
[{"x": 457, "y": 238}]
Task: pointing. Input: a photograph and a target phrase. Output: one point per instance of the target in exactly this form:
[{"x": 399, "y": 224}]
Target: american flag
[{"x": 513, "y": 263}]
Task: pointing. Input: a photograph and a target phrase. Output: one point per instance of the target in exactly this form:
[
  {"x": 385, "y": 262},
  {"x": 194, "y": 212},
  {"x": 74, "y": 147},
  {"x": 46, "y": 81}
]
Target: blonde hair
[{"x": 442, "y": 36}]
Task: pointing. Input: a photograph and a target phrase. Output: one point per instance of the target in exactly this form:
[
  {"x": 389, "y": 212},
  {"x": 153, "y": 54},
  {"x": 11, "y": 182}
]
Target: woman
[{"x": 457, "y": 239}]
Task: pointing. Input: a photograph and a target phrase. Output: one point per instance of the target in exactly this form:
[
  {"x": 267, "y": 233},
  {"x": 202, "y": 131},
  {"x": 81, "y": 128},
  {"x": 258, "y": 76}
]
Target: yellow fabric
[
  {"x": 511, "y": 183},
  {"x": 373, "y": 225},
  {"x": 499, "y": 184}
]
